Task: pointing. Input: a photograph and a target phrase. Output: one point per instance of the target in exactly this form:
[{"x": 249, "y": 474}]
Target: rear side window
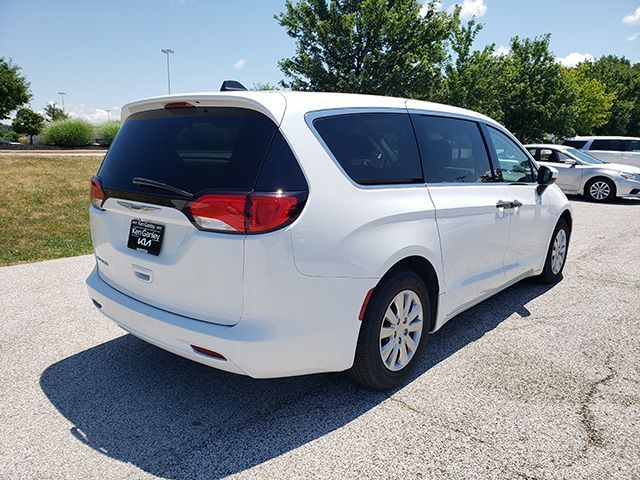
[
  {"x": 633, "y": 146},
  {"x": 575, "y": 143},
  {"x": 194, "y": 149},
  {"x": 452, "y": 150},
  {"x": 609, "y": 145},
  {"x": 373, "y": 148}
]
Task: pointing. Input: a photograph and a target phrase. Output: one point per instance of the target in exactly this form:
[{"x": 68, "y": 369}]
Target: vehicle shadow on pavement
[
  {"x": 178, "y": 419},
  {"x": 616, "y": 201}
]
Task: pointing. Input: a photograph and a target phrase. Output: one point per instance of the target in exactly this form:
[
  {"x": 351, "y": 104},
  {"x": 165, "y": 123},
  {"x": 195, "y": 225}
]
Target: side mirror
[
  {"x": 546, "y": 176},
  {"x": 569, "y": 161}
]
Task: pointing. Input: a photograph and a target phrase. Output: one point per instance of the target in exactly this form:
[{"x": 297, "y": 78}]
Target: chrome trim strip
[{"x": 138, "y": 208}]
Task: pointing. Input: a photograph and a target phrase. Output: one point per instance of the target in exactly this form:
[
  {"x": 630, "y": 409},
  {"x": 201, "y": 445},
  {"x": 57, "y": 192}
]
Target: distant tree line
[{"x": 402, "y": 48}]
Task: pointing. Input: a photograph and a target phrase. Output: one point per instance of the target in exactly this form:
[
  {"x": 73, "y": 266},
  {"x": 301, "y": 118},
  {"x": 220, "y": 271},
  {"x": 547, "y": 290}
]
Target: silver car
[{"x": 582, "y": 174}]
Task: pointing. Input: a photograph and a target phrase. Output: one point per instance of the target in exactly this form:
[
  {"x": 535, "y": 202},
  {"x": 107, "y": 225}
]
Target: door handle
[
  {"x": 516, "y": 204},
  {"x": 503, "y": 204}
]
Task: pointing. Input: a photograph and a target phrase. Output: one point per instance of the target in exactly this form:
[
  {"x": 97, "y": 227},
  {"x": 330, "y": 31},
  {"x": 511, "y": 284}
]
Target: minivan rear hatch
[{"x": 149, "y": 243}]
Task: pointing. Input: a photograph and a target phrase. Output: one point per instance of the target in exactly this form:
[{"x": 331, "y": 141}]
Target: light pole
[
  {"x": 108, "y": 115},
  {"x": 168, "y": 52},
  {"x": 62, "y": 94}
]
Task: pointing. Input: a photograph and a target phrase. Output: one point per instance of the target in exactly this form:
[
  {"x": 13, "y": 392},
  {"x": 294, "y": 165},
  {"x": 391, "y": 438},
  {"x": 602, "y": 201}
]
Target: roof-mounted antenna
[{"x": 232, "y": 86}]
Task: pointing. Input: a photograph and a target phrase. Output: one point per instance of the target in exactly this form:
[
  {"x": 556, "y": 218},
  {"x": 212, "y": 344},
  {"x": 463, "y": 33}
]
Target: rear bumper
[{"x": 253, "y": 347}]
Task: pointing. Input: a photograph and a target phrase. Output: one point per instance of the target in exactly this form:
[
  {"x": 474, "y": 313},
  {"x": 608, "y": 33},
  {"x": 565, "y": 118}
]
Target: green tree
[
  {"x": 7, "y": 134},
  {"x": 622, "y": 79},
  {"x": 263, "y": 87},
  {"x": 534, "y": 98},
  {"x": 27, "y": 122},
  {"x": 53, "y": 112},
  {"x": 383, "y": 47},
  {"x": 590, "y": 104},
  {"x": 473, "y": 78},
  {"x": 14, "y": 88}
]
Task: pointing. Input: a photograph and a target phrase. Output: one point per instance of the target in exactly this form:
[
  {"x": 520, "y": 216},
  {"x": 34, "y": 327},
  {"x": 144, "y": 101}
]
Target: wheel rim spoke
[{"x": 401, "y": 330}]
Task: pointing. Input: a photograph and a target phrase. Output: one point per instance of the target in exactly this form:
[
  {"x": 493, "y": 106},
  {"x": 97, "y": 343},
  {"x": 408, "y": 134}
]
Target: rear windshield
[{"x": 193, "y": 149}]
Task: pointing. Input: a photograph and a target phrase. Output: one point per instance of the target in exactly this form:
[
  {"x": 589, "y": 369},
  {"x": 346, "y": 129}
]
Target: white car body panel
[{"x": 287, "y": 302}]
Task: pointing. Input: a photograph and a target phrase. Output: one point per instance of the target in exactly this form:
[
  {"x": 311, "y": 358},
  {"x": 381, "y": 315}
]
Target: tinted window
[
  {"x": 281, "y": 170},
  {"x": 534, "y": 153},
  {"x": 633, "y": 146},
  {"x": 452, "y": 150},
  {"x": 373, "y": 148},
  {"x": 548, "y": 155},
  {"x": 610, "y": 145},
  {"x": 514, "y": 164},
  {"x": 575, "y": 143},
  {"x": 190, "y": 148}
]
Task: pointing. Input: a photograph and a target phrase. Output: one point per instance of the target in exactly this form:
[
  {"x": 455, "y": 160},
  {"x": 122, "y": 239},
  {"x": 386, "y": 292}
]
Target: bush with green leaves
[
  {"x": 72, "y": 132},
  {"x": 106, "y": 131}
]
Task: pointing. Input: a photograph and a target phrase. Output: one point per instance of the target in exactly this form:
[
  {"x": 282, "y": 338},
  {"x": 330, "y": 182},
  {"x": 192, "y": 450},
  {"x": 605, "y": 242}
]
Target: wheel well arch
[
  {"x": 427, "y": 273},
  {"x": 566, "y": 216},
  {"x": 600, "y": 177}
]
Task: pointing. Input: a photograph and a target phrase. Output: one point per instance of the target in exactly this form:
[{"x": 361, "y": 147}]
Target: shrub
[
  {"x": 106, "y": 131},
  {"x": 72, "y": 132}
]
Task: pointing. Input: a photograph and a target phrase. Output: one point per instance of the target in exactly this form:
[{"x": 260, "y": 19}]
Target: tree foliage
[
  {"x": 472, "y": 77},
  {"x": 393, "y": 47},
  {"x": 383, "y": 47},
  {"x": 621, "y": 79},
  {"x": 27, "y": 122},
  {"x": 590, "y": 103},
  {"x": 53, "y": 112},
  {"x": 14, "y": 88}
]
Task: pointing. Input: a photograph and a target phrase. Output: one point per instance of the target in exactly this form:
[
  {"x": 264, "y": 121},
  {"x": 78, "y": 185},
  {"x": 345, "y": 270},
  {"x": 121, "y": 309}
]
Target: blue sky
[{"x": 107, "y": 53}]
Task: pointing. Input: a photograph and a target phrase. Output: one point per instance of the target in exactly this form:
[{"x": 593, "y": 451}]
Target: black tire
[
  {"x": 548, "y": 275},
  {"x": 369, "y": 367},
  {"x": 593, "y": 193}
]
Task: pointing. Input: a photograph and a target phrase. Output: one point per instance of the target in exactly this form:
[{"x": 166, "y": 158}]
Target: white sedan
[{"x": 582, "y": 174}]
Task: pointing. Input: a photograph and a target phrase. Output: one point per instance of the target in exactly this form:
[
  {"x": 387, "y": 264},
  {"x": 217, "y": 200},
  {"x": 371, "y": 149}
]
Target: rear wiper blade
[{"x": 147, "y": 182}]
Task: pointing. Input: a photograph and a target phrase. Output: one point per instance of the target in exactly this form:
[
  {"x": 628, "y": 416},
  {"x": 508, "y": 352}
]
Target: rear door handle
[{"x": 503, "y": 204}]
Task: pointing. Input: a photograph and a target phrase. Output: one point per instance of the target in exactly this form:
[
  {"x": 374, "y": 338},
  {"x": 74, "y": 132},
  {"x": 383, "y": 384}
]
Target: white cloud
[
  {"x": 472, "y": 8},
  {"x": 632, "y": 18},
  {"x": 96, "y": 115},
  {"x": 501, "y": 51},
  {"x": 633, "y": 37},
  {"x": 574, "y": 58},
  {"x": 239, "y": 65},
  {"x": 427, "y": 6}
]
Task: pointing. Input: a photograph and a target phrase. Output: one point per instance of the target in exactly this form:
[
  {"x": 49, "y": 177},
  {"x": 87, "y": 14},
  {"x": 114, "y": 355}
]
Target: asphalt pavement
[{"x": 537, "y": 382}]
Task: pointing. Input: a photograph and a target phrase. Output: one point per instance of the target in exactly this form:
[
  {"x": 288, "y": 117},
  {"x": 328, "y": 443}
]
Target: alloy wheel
[{"x": 600, "y": 190}]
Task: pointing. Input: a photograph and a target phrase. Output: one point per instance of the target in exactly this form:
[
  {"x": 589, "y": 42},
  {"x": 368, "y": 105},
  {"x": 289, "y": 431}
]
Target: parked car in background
[
  {"x": 579, "y": 173},
  {"x": 624, "y": 150},
  {"x": 285, "y": 233}
]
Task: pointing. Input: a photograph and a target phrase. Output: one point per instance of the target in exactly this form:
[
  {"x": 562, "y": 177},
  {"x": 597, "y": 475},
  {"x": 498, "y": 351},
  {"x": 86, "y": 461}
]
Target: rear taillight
[
  {"x": 241, "y": 213},
  {"x": 221, "y": 213},
  {"x": 97, "y": 193}
]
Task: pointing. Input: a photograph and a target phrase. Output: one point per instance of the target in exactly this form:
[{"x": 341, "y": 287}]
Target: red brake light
[
  {"x": 97, "y": 193},
  {"x": 269, "y": 211},
  {"x": 171, "y": 105},
  {"x": 241, "y": 213},
  {"x": 221, "y": 212}
]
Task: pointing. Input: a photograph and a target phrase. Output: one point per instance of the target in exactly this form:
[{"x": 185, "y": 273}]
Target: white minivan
[
  {"x": 619, "y": 150},
  {"x": 285, "y": 233}
]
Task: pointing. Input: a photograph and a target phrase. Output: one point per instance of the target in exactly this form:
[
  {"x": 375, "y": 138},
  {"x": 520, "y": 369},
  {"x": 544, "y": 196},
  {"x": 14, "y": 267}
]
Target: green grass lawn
[{"x": 44, "y": 204}]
